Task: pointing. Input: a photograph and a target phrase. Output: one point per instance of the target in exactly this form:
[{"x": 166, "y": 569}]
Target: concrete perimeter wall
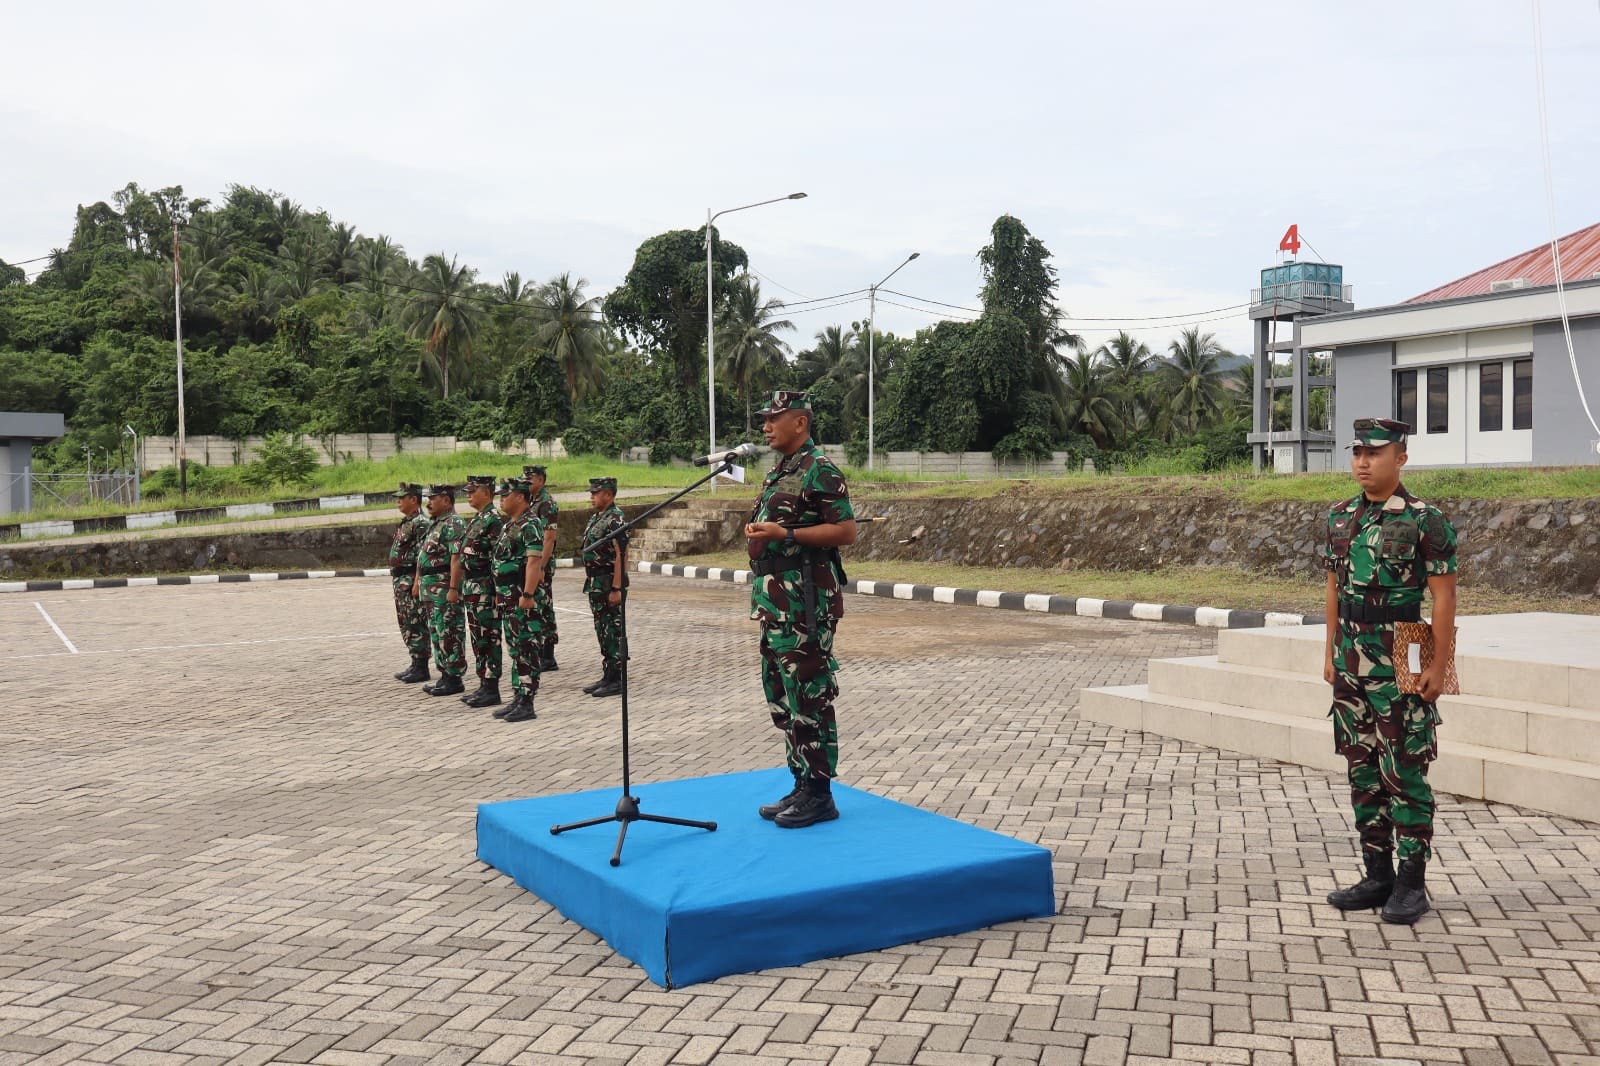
[{"x": 158, "y": 453}]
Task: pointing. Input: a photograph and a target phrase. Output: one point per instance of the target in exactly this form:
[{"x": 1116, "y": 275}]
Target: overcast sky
[{"x": 1158, "y": 149}]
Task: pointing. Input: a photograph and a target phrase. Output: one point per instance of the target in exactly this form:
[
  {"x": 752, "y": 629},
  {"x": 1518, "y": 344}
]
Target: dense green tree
[{"x": 661, "y": 303}]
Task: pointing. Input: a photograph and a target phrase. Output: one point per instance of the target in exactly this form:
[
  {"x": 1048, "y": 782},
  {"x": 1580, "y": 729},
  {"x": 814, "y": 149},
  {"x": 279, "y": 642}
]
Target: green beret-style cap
[
  {"x": 408, "y": 488},
  {"x": 1376, "y": 432},
  {"x": 602, "y": 484},
  {"x": 785, "y": 401}
]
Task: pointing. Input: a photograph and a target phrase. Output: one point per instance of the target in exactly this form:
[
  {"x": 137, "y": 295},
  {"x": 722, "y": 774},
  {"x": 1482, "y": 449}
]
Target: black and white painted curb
[
  {"x": 1043, "y": 603},
  {"x": 73, "y": 584},
  {"x": 188, "y": 516}
]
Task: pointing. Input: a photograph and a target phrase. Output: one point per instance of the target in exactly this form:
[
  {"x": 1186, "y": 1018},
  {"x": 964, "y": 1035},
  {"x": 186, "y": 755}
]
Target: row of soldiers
[{"x": 488, "y": 580}]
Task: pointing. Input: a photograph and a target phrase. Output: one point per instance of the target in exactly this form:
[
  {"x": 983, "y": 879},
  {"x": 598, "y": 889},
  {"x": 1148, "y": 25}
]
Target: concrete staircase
[
  {"x": 703, "y": 524},
  {"x": 1525, "y": 731}
]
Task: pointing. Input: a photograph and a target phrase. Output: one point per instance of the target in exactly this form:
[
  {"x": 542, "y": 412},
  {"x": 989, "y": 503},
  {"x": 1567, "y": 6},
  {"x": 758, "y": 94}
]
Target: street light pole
[
  {"x": 872, "y": 370},
  {"x": 711, "y": 325},
  {"x": 177, "y": 316}
]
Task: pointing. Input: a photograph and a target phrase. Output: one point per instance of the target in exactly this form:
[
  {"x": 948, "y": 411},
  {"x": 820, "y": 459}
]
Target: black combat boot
[
  {"x": 506, "y": 708},
  {"x": 418, "y": 671},
  {"x": 547, "y": 659},
  {"x": 488, "y": 693},
  {"x": 447, "y": 685},
  {"x": 522, "y": 713},
  {"x": 769, "y": 811},
  {"x": 610, "y": 685},
  {"x": 1410, "y": 899},
  {"x": 605, "y": 675},
  {"x": 815, "y": 804},
  {"x": 1371, "y": 891}
]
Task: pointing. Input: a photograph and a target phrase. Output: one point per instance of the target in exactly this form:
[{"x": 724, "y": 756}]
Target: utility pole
[
  {"x": 177, "y": 313},
  {"x": 872, "y": 366}
]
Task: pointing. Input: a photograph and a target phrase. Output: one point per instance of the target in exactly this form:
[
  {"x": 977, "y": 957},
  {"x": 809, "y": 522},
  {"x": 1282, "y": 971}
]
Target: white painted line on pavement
[
  {"x": 214, "y": 644},
  {"x": 55, "y": 627}
]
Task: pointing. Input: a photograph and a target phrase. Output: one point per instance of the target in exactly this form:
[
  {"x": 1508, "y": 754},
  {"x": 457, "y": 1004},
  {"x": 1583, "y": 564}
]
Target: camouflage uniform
[
  {"x": 546, "y": 510},
  {"x": 446, "y": 625},
  {"x": 477, "y": 590},
  {"x": 1382, "y": 555},
  {"x": 797, "y": 595},
  {"x": 599, "y": 566},
  {"x": 520, "y": 538},
  {"x": 409, "y": 611}
]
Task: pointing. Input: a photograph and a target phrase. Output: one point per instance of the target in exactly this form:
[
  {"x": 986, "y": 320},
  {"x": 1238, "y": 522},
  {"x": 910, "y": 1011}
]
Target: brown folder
[{"x": 1419, "y": 635}]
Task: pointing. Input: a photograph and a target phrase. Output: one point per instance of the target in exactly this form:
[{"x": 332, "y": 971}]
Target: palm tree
[
  {"x": 751, "y": 353},
  {"x": 1128, "y": 362},
  {"x": 571, "y": 329},
  {"x": 1193, "y": 378},
  {"x": 445, "y": 311},
  {"x": 341, "y": 254},
  {"x": 832, "y": 347},
  {"x": 1091, "y": 405}
]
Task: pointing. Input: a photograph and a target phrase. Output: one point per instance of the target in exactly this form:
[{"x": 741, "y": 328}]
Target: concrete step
[
  {"x": 1553, "y": 658},
  {"x": 1537, "y": 782},
  {"x": 1511, "y": 725}
]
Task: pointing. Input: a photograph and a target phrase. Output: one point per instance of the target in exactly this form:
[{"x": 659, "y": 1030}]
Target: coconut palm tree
[
  {"x": 750, "y": 352},
  {"x": 832, "y": 347},
  {"x": 1091, "y": 400},
  {"x": 1192, "y": 379},
  {"x": 445, "y": 311},
  {"x": 1128, "y": 363},
  {"x": 571, "y": 329}
]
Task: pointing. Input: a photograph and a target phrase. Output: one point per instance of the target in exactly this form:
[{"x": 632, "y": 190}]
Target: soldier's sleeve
[
  {"x": 1438, "y": 544},
  {"x": 1329, "y": 563},
  {"x": 827, "y": 495}
]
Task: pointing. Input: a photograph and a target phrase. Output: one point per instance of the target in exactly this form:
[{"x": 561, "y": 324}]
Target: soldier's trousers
[
  {"x": 523, "y": 643},
  {"x": 608, "y": 626},
  {"x": 1387, "y": 739},
  {"x": 447, "y": 627},
  {"x": 483, "y": 629},
  {"x": 412, "y": 616},
  {"x": 797, "y": 676},
  {"x": 548, "y": 637}
]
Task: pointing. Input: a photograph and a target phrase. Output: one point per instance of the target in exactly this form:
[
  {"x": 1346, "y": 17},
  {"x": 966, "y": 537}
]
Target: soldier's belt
[
  {"x": 435, "y": 570},
  {"x": 477, "y": 570},
  {"x": 781, "y": 564},
  {"x": 399, "y": 571},
  {"x": 1369, "y": 614}
]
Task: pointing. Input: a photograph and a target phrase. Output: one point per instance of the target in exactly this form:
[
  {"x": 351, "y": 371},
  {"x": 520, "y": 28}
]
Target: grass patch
[
  {"x": 1579, "y": 482},
  {"x": 565, "y": 475},
  {"x": 1183, "y": 586}
]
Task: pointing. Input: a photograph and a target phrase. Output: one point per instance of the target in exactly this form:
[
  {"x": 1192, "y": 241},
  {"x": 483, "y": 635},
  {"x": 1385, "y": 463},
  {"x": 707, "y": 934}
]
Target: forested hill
[{"x": 295, "y": 322}]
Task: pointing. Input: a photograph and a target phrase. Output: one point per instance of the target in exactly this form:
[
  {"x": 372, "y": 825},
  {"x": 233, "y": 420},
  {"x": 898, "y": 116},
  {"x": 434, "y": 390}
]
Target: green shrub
[
  {"x": 1026, "y": 442},
  {"x": 283, "y": 460}
]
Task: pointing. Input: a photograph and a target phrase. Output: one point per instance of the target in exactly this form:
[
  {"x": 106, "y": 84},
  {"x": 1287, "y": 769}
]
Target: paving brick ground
[{"x": 228, "y": 836}]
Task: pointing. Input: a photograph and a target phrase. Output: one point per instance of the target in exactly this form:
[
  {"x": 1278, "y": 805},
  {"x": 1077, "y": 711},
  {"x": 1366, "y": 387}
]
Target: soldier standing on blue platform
[
  {"x": 605, "y": 581},
  {"x": 1384, "y": 548},
  {"x": 437, "y": 587},
  {"x": 547, "y": 511},
  {"x": 794, "y": 535},
  {"x": 476, "y": 578},
  {"x": 409, "y": 611}
]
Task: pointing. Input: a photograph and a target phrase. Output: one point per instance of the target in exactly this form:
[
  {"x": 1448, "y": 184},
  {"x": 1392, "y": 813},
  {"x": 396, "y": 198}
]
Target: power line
[{"x": 1074, "y": 318}]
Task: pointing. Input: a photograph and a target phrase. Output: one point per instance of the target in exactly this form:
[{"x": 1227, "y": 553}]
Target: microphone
[{"x": 743, "y": 451}]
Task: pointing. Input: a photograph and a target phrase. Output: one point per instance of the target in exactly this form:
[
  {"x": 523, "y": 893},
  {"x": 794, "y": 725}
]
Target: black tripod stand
[{"x": 627, "y": 811}]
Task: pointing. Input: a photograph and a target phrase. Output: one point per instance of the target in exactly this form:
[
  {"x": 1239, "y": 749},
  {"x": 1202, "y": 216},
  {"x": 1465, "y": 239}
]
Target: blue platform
[{"x": 689, "y": 905}]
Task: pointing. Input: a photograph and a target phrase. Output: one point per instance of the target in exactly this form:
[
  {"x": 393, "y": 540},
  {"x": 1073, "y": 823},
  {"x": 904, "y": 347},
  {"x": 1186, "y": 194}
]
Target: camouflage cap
[
  {"x": 533, "y": 471},
  {"x": 408, "y": 488},
  {"x": 602, "y": 484},
  {"x": 441, "y": 490},
  {"x": 480, "y": 481},
  {"x": 785, "y": 401},
  {"x": 514, "y": 484},
  {"x": 1376, "y": 432}
]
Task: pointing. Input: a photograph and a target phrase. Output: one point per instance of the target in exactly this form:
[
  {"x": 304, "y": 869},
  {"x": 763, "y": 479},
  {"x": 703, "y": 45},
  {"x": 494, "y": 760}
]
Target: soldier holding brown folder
[{"x": 1385, "y": 547}]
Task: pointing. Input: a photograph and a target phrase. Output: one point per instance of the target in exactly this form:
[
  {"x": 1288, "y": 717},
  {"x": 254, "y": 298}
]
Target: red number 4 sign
[{"x": 1291, "y": 240}]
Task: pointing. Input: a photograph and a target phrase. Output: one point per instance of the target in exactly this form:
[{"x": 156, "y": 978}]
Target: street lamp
[
  {"x": 872, "y": 377},
  {"x": 711, "y": 362}
]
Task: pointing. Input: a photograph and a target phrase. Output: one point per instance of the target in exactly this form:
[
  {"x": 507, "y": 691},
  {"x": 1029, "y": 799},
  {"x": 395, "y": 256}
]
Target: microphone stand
[{"x": 627, "y": 811}]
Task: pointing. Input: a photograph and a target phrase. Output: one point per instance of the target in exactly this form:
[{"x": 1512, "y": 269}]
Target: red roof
[{"x": 1580, "y": 260}]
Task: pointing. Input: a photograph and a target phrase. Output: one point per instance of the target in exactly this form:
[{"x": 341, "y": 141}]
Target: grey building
[
  {"x": 19, "y": 432},
  {"x": 1480, "y": 367}
]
